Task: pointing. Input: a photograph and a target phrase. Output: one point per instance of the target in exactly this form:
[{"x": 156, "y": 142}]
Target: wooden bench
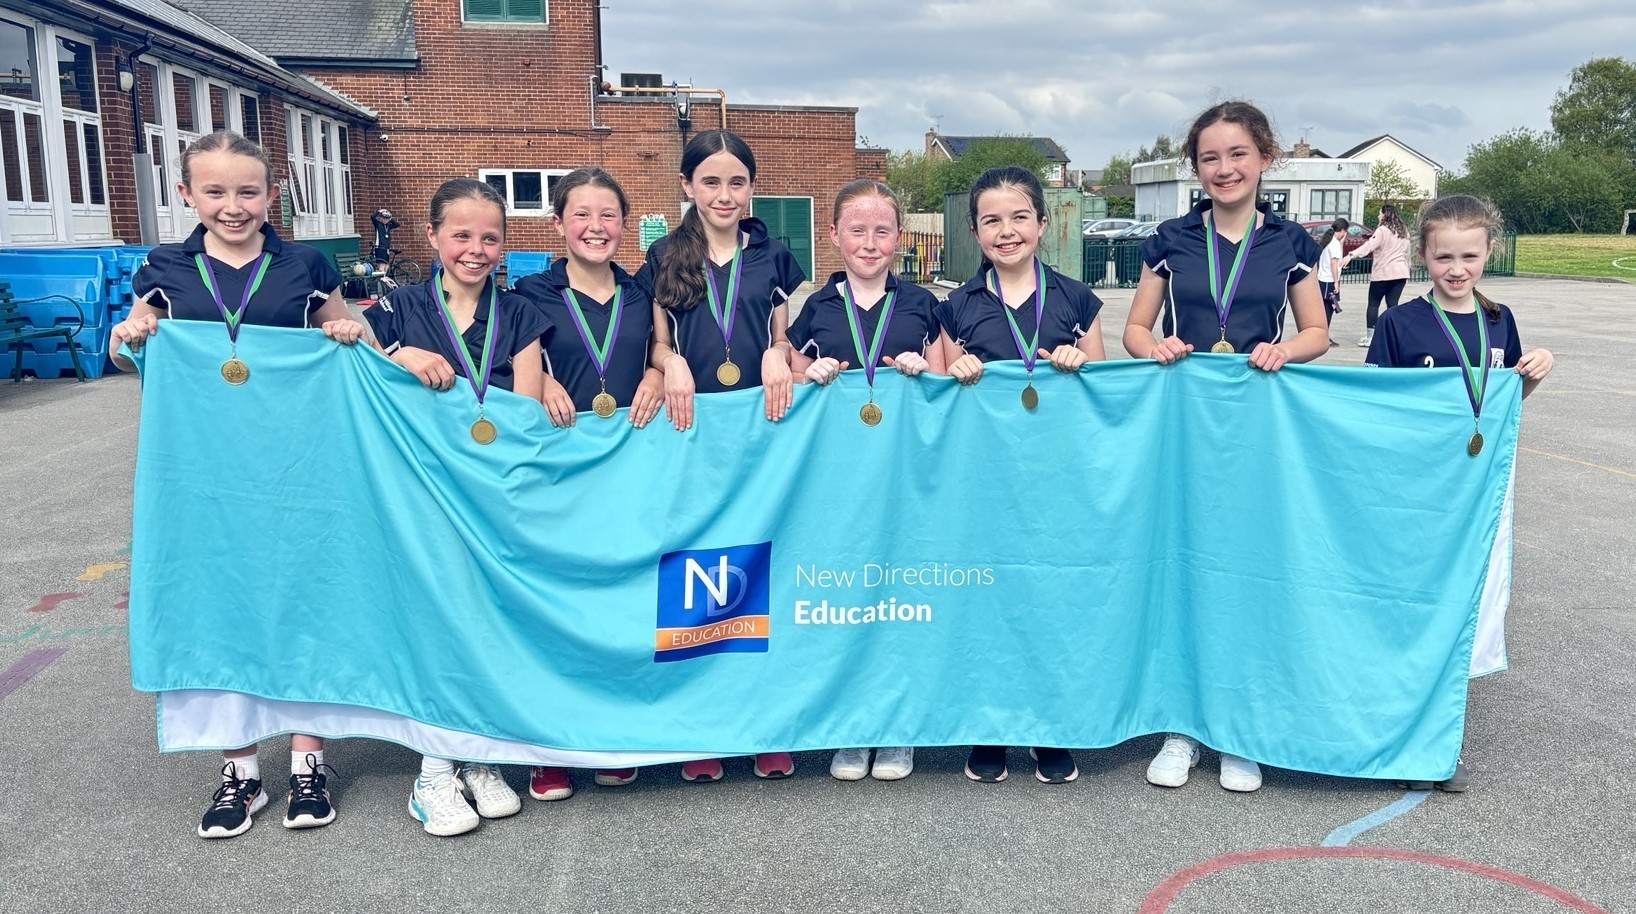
[{"x": 15, "y": 329}]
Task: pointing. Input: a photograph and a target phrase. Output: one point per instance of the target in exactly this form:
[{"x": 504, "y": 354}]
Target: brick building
[
  {"x": 133, "y": 73},
  {"x": 367, "y": 104}
]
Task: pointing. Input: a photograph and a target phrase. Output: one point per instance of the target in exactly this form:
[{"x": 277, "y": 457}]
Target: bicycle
[{"x": 386, "y": 269}]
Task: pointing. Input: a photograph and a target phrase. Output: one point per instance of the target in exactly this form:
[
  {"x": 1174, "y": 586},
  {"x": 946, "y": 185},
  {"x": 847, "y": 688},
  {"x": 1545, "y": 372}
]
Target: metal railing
[{"x": 920, "y": 256}]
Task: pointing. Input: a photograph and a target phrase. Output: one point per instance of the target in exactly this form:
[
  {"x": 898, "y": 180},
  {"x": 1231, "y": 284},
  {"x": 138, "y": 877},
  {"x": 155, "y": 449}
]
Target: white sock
[
  {"x": 432, "y": 767},
  {"x": 298, "y": 761},
  {"x": 245, "y": 769}
]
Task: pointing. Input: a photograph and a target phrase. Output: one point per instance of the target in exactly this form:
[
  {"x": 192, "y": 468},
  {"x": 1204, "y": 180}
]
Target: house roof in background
[
  {"x": 298, "y": 32},
  {"x": 1387, "y": 136},
  {"x": 956, "y": 145}
]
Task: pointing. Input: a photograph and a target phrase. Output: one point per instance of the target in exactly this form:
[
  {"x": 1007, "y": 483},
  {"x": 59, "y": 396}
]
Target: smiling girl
[
  {"x": 235, "y": 258},
  {"x": 1224, "y": 275},
  {"x": 720, "y": 286},
  {"x": 458, "y": 326}
]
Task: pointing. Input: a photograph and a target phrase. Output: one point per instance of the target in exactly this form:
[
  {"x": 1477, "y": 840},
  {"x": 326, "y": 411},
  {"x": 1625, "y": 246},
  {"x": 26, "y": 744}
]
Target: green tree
[
  {"x": 1500, "y": 169},
  {"x": 1117, "y": 171},
  {"x": 1389, "y": 183},
  {"x": 1163, "y": 148},
  {"x": 1598, "y": 109},
  {"x": 1543, "y": 184},
  {"x": 957, "y": 176},
  {"x": 914, "y": 176}
]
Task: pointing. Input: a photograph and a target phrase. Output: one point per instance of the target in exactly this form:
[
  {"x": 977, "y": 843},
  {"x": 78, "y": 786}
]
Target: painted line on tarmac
[
  {"x": 97, "y": 571},
  {"x": 51, "y": 601},
  {"x": 1158, "y": 900},
  {"x": 124, "y": 601},
  {"x": 1343, "y": 836},
  {"x": 1583, "y": 463},
  {"x": 25, "y": 669}
]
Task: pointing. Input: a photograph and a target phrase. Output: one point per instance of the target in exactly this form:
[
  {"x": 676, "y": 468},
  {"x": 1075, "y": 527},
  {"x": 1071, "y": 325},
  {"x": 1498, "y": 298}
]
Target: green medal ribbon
[
  {"x": 1475, "y": 376},
  {"x": 600, "y": 353},
  {"x": 479, "y": 385},
  {"x": 723, "y": 312},
  {"x": 1028, "y": 349},
  {"x": 1223, "y": 297},
  {"x": 871, "y": 356},
  {"x": 233, "y": 318}
]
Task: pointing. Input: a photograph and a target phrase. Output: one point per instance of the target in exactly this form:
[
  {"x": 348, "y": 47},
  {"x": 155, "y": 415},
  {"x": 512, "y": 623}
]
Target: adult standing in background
[{"x": 1390, "y": 246}]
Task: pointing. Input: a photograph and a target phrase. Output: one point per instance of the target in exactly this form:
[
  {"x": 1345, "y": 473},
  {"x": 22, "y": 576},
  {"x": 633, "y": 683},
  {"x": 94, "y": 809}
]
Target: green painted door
[{"x": 789, "y": 219}]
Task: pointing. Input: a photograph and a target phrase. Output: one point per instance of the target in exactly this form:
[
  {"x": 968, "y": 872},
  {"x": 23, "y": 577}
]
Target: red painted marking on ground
[
  {"x": 124, "y": 601},
  {"x": 1158, "y": 900},
  {"x": 52, "y": 600},
  {"x": 23, "y": 670}
]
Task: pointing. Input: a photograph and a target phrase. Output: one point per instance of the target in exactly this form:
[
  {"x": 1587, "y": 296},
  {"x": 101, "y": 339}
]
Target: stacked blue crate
[
  {"x": 525, "y": 263},
  {"x": 79, "y": 276}
]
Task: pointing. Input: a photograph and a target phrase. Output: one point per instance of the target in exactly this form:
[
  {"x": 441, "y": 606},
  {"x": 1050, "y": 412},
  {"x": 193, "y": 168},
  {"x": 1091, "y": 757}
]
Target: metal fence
[
  {"x": 1118, "y": 264},
  {"x": 920, "y": 256}
]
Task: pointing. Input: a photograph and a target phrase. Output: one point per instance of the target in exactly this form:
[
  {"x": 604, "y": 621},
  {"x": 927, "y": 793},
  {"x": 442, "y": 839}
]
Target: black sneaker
[
  {"x": 1458, "y": 782},
  {"x": 986, "y": 764},
  {"x": 1054, "y": 766},
  {"x": 309, "y": 801},
  {"x": 232, "y": 806}
]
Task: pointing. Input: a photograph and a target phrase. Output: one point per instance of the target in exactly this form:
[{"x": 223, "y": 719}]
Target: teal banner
[{"x": 1286, "y": 566}]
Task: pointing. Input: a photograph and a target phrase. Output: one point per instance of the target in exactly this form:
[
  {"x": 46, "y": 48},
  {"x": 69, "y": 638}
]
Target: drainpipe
[{"x": 147, "y": 200}]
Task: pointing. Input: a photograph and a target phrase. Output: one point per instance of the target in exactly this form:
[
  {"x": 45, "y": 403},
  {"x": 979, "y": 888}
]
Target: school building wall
[{"x": 496, "y": 97}]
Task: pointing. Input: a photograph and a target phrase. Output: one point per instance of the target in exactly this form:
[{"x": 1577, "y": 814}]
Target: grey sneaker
[
  {"x": 490, "y": 793},
  {"x": 893, "y": 763},
  {"x": 849, "y": 764},
  {"x": 1457, "y": 782},
  {"x": 1171, "y": 767}
]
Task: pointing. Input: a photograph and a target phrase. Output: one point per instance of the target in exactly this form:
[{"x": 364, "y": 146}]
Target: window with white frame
[
  {"x": 527, "y": 191},
  {"x": 1331, "y": 204},
  {"x": 52, "y": 174},
  {"x": 321, "y": 169}
]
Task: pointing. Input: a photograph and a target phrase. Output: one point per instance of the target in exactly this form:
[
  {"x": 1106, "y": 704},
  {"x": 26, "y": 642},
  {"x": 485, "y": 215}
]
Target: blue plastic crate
[
  {"x": 77, "y": 276},
  {"x": 48, "y": 365},
  {"x": 525, "y": 263}
]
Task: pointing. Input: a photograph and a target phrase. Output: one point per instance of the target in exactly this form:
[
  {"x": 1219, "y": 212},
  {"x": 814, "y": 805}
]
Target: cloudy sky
[{"x": 1104, "y": 78}]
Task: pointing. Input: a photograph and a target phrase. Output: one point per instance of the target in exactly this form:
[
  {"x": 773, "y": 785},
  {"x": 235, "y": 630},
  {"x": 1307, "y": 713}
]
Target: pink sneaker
[
  {"x": 615, "y": 777},
  {"x": 549, "y": 783},
  {"x": 774, "y": 765},
  {"x": 704, "y": 769}
]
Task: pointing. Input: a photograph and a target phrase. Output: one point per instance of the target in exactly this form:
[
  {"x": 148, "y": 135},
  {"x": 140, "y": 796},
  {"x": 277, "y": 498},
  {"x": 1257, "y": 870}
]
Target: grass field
[{"x": 1578, "y": 255}]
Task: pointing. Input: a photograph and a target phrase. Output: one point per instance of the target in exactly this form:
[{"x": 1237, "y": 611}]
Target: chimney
[
  {"x": 931, "y": 138},
  {"x": 1302, "y": 150}
]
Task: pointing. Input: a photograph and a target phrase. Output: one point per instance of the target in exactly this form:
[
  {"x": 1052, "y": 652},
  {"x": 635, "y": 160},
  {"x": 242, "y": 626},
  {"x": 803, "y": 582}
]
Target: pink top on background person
[{"x": 1391, "y": 255}]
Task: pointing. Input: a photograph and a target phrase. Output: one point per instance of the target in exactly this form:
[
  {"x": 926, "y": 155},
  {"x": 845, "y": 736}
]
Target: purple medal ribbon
[
  {"x": 479, "y": 385},
  {"x": 724, "y": 312},
  {"x": 1028, "y": 349},
  {"x": 600, "y": 357},
  {"x": 854, "y": 323},
  {"x": 233, "y": 318},
  {"x": 1223, "y": 298}
]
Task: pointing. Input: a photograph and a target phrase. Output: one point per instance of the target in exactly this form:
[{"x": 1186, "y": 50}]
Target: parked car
[
  {"x": 1125, "y": 250},
  {"x": 1101, "y": 228},
  {"x": 1135, "y": 231},
  {"x": 1356, "y": 234}
]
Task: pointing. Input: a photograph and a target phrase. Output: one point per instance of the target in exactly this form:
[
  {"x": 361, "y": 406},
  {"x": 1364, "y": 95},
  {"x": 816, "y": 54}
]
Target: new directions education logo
[{"x": 713, "y": 601}]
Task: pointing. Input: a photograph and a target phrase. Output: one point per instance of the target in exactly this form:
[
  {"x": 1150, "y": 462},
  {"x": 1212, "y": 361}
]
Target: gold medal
[
  {"x": 1030, "y": 397},
  {"x": 727, "y": 374},
  {"x": 1222, "y": 346},
  {"x": 235, "y": 372},
  {"x": 1474, "y": 446},
  {"x": 870, "y": 414},
  {"x": 482, "y": 431},
  {"x": 603, "y": 404}
]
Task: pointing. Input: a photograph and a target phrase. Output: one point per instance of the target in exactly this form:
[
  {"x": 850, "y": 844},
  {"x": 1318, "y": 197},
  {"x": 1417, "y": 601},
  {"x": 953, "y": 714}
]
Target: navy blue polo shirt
[
  {"x": 567, "y": 359},
  {"x": 1410, "y": 336},
  {"x": 822, "y": 329},
  {"x": 973, "y": 318},
  {"x": 409, "y": 316},
  {"x": 1283, "y": 255},
  {"x": 770, "y": 275},
  {"x": 299, "y": 281}
]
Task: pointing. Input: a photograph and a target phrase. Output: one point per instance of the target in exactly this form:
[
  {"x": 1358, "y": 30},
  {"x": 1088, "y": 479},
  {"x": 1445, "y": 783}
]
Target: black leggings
[{"x": 1389, "y": 289}]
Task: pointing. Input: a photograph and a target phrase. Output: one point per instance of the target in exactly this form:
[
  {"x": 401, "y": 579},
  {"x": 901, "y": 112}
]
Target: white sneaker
[
  {"x": 441, "y": 806},
  {"x": 893, "y": 763},
  {"x": 491, "y": 794},
  {"x": 1240, "y": 774},
  {"x": 1175, "y": 759},
  {"x": 849, "y": 764},
  {"x": 1368, "y": 337}
]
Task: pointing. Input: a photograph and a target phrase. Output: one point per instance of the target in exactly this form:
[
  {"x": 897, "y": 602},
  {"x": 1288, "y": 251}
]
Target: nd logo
[
  {"x": 717, "y": 582},
  {"x": 713, "y": 601}
]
